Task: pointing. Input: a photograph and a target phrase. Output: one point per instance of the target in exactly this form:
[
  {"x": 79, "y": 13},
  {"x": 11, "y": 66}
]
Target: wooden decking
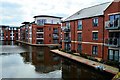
[
  {"x": 38, "y": 44},
  {"x": 94, "y": 64}
]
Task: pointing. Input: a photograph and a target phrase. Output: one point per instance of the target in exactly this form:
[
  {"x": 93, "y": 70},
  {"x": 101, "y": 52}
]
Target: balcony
[
  {"x": 66, "y": 29},
  {"x": 55, "y": 31},
  {"x": 40, "y": 31},
  {"x": 113, "y": 42},
  {"x": 39, "y": 42},
  {"x": 40, "y": 38},
  {"x": 55, "y": 37},
  {"x": 115, "y": 25},
  {"x": 67, "y": 39}
]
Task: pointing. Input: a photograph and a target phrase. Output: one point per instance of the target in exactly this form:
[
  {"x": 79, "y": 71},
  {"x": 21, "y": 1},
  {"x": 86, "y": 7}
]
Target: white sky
[{"x": 14, "y": 12}]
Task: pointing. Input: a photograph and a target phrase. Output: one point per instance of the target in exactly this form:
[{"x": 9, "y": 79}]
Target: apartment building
[
  {"x": 8, "y": 33},
  {"x": 1, "y": 33},
  {"x": 112, "y": 31},
  {"x": 44, "y": 30},
  {"x": 85, "y": 31}
]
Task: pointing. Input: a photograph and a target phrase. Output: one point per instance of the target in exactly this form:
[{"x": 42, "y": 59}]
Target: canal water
[{"x": 39, "y": 62}]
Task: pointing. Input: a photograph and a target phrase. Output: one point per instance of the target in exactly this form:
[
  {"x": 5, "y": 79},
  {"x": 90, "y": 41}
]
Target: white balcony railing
[
  {"x": 40, "y": 38},
  {"x": 40, "y": 32}
]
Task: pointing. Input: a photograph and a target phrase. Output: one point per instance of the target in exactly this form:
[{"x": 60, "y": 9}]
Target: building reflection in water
[
  {"x": 43, "y": 60},
  {"x": 72, "y": 70},
  {"x": 8, "y": 43}
]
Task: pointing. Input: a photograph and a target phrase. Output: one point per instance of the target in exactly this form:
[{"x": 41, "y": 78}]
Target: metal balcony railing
[
  {"x": 66, "y": 28},
  {"x": 113, "y": 42},
  {"x": 55, "y": 37},
  {"x": 115, "y": 25}
]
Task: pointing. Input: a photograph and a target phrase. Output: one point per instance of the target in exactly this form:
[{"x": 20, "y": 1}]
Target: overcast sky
[{"x": 14, "y": 12}]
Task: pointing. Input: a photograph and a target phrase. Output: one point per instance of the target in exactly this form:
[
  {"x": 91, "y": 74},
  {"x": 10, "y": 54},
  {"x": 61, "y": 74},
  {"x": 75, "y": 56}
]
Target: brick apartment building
[
  {"x": 44, "y": 30},
  {"x": 86, "y": 31},
  {"x": 8, "y": 33}
]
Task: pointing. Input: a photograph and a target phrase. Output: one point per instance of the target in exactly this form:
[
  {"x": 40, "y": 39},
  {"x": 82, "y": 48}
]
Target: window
[
  {"x": 55, "y": 30},
  {"x": 113, "y": 55},
  {"x": 55, "y": 41},
  {"x": 68, "y": 25},
  {"x": 94, "y": 50},
  {"x": 110, "y": 54},
  {"x": 52, "y": 21},
  {"x": 114, "y": 20},
  {"x": 95, "y": 22},
  {"x": 95, "y": 35},
  {"x": 116, "y": 55},
  {"x": 80, "y": 25},
  {"x": 79, "y": 47},
  {"x": 79, "y": 36},
  {"x": 41, "y": 21}
]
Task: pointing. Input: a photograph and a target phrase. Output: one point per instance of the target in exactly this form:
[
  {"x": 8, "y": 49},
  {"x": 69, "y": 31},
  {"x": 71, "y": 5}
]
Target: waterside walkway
[
  {"x": 107, "y": 68},
  {"x": 37, "y": 44}
]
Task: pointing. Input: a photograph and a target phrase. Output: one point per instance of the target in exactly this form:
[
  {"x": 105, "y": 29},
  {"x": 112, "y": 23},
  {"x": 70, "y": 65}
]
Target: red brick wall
[
  {"x": 48, "y": 30},
  {"x": 34, "y": 33},
  {"x": 86, "y": 35},
  {"x": 63, "y": 24}
]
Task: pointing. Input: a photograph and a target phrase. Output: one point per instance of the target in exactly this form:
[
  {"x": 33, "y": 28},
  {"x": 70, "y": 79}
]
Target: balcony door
[{"x": 113, "y": 55}]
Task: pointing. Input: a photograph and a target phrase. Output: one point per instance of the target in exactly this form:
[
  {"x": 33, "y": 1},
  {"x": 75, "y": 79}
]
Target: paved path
[
  {"x": 107, "y": 68},
  {"x": 11, "y": 49}
]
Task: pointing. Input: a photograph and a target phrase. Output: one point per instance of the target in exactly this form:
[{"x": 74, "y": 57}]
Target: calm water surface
[{"x": 39, "y": 62}]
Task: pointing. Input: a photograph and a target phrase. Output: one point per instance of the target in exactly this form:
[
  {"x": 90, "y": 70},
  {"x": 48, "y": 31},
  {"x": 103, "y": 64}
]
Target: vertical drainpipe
[
  {"x": 74, "y": 35},
  {"x": 103, "y": 40}
]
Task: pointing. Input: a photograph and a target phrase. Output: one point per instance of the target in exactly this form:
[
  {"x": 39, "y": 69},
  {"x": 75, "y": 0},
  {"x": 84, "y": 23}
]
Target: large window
[
  {"x": 114, "y": 20},
  {"x": 80, "y": 25},
  {"x": 113, "y": 55},
  {"x": 41, "y": 21},
  {"x": 95, "y": 35},
  {"x": 79, "y": 36},
  {"x": 94, "y": 50},
  {"x": 95, "y": 22}
]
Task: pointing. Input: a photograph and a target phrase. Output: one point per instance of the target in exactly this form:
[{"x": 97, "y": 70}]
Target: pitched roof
[{"x": 92, "y": 11}]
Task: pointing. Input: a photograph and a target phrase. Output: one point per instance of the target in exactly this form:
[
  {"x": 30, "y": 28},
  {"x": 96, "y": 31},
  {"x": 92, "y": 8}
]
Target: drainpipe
[
  {"x": 74, "y": 35},
  {"x": 103, "y": 40}
]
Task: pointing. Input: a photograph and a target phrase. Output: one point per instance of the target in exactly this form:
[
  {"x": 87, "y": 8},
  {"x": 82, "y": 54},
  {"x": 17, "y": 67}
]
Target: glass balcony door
[{"x": 113, "y": 55}]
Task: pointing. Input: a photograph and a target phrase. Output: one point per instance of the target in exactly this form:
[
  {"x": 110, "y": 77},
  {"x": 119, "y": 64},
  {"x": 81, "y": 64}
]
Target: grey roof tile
[{"x": 92, "y": 11}]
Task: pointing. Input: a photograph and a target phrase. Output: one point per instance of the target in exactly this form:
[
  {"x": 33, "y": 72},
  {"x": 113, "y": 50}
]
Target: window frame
[
  {"x": 113, "y": 56},
  {"x": 41, "y": 21},
  {"x": 79, "y": 38},
  {"x": 95, "y": 36},
  {"x": 95, "y": 22},
  {"x": 79, "y": 27},
  {"x": 94, "y": 50},
  {"x": 79, "y": 47}
]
